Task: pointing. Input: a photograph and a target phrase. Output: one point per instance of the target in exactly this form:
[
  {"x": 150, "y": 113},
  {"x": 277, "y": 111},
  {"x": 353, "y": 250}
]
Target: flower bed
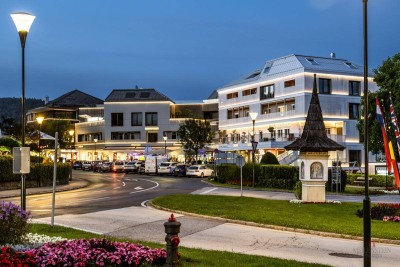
[
  {"x": 383, "y": 211},
  {"x": 298, "y": 201},
  {"x": 82, "y": 252}
]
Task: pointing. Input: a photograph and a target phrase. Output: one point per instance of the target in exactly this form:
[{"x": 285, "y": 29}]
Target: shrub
[
  {"x": 9, "y": 142},
  {"x": 343, "y": 181},
  {"x": 379, "y": 211},
  {"x": 376, "y": 180},
  {"x": 96, "y": 252},
  {"x": 226, "y": 172},
  {"x": 269, "y": 159},
  {"x": 298, "y": 190},
  {"x": 14, "y": 223},
  {"x": 278, "y": 176}
]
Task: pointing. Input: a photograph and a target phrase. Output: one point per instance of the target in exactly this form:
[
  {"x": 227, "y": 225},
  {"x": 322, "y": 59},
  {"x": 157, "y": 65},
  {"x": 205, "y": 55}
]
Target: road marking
[
  {"x": 79, "y": 201},
  {"x": 127, "y": 179},
  {"x": 123, "y": 184},
  {"x": 117, "y": 187},
  {"x": 208, "y": 191},
  {"x": 147, "y": 188},
  {"x": 40, "y": 210},
  {"x": 143, "y": 204},
  {"x": 138, "y": 188}
]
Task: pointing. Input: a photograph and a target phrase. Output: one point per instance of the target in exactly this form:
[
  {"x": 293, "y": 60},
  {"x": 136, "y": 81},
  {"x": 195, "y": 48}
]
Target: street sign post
[{"x": 240, "y": 163}]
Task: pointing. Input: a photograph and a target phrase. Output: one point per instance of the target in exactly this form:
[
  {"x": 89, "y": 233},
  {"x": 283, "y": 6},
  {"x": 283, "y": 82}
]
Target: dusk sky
[{"x": 183, "y": 48}]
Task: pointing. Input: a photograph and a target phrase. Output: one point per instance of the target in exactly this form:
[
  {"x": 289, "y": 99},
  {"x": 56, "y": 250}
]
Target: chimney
[
  {"x": 46, "y": 100},
  {"x": 333, "y": 55}
]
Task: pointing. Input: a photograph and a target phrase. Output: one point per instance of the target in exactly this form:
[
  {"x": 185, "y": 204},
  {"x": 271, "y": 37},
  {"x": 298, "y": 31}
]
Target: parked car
[
  {"x": 131, "y": 167},
  {"x": 105, "y": 167},
  {"x": 96, "y": 165},
  {"x": 141, "y": 169},
  {"x": 86, "y": 165},
  {"x": 199, "y": 171},
  {"x": 166, "y": 167},
  {"x": 77, "y": 165},
  {"x": 118, "y": 166},
  {"x": 180, "y": 170}
]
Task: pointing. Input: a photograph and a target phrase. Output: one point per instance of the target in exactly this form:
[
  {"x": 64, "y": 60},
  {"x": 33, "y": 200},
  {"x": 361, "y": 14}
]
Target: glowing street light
[
  {"x": 95, "y": 153},
  {"x": 253, "y": 116},
  {"x": 165, "y": 144},
  {"x": 23, "y": 21},
  {"x": 39, "y": 121}
]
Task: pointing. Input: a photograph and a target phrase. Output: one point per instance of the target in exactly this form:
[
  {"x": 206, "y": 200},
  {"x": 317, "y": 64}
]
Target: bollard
[{"x": 172, "y": 229}]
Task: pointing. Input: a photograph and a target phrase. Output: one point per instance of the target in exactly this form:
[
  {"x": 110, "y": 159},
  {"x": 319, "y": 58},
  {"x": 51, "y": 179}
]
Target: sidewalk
[{"x": 74, "y": 184}]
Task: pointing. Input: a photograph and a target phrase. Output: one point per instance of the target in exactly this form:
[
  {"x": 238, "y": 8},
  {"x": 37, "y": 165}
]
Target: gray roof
[
  {"x": 293, "y": 64},
  {"x": 314, "y": 138},
  {"x": 74, "y": 99},
  {"x": 136, "y": 95}
]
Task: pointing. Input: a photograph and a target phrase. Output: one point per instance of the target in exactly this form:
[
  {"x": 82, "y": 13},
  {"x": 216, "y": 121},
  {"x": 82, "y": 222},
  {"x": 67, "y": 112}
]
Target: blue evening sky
[{"x": 183, "y": 48}]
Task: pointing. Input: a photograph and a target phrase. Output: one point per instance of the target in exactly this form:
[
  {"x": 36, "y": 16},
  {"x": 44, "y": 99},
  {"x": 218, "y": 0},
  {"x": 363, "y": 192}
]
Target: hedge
[
  {"x": 377, "y": 180},
  {"x": 42, "y": 171},
  {"x": 272, "y": 176}
]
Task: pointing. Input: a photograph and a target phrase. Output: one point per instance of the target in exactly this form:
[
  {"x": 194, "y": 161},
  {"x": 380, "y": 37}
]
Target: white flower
[{"x": 296, "y": 201}]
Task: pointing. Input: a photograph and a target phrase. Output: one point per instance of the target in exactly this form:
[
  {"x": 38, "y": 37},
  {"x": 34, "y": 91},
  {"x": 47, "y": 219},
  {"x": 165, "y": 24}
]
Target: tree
[
  {"x": 269, "y": 159},
  {"x": 195, "y": 134},
  {"x": 387, "y": 77}
]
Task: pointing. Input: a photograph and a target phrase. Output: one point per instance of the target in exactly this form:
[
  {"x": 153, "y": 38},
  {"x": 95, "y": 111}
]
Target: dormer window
[{"x": 350, "y": 65}]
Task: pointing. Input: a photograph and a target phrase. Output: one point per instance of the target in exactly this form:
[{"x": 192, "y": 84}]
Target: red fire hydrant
[{"x": 172, "y": 229}]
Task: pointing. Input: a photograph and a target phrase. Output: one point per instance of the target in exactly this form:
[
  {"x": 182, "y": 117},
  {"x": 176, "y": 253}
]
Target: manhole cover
[{"x": 345, "y": 255}]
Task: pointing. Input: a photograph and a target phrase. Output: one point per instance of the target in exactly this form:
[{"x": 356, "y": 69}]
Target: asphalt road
[{"x": 109, "y": 191}]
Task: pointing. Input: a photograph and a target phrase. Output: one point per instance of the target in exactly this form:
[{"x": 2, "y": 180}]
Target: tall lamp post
[
  {"x": 23, "y": 22},
  {"x": 39, "y": 121},
  {"x": 71, "y": 134},
  {"x": 95, "y": 153},
  {"x": 366, "y": 201},
  {"x": 253, "y": 116},
  {"x": 165, "y": 144}
]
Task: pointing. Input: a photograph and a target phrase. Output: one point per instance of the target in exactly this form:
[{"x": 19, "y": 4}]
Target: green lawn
[
  {"x": 333, "y": 218},
  {"x": 190, "y": 257}
]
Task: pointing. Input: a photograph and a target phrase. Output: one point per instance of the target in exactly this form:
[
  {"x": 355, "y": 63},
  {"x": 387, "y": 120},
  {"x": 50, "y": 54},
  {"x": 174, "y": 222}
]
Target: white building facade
[{"x": 280, "y": 93}]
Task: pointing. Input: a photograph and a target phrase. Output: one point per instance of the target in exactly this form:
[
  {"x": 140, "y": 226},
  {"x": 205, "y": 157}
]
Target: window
[
  {"x": 312, "y": 61},
  {"x": 290, "y": 83},
  {"x": 325, "y": 86},
  {"x": 125, "y": 135},
  {"x": 136, "y": 119},
  {"x": 232, "y": 95},
  {"x": 253, "y": 75},
  {"x": 117, "y": 119},
  {"x": 249, "y": 92},
  {"x": 354, "y": 111},
  {"x": 267, "y": 91},
  {"x": 151, "y": 119},
  {"x": 152, "y": 137},
  {"x": 354, "y": 88},
  {"x": 350, "y": 65},
  {"x": 238, "y": 112},
  {"x": 354, "y": 156}
]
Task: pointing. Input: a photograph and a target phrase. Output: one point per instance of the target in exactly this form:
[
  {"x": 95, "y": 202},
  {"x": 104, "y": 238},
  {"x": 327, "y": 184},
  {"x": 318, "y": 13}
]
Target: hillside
[{"x": 11, "y": 106}]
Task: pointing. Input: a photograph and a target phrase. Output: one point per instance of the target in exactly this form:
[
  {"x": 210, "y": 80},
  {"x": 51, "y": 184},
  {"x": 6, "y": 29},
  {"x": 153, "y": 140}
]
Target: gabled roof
[
  {"x": 74, "y": 98},
  {"x": 314, "y": 138},
  {"x": 293, "y": 64},
  {"x": 136, "y": 95}
]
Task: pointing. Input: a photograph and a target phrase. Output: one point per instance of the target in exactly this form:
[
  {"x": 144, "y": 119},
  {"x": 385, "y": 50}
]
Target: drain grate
[{"x": 345, "y": 255}]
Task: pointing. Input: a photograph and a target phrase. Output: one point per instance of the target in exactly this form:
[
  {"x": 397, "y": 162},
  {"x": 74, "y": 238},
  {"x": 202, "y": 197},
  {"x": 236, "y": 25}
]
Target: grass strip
[
  {"x": 189, "y": 256},
  {"x": 331, "y": 218}
]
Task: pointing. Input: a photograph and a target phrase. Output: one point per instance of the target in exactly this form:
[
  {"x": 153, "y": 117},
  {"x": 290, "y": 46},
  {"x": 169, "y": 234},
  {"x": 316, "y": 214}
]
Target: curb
[{"x": 280, "y": 228}]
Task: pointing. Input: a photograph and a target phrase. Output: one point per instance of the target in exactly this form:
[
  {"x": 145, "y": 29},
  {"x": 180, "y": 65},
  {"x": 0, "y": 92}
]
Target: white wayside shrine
[{"x": 314, "y": 145}]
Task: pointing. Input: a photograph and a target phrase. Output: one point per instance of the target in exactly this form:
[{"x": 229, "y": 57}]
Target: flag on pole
[
  {"x": 394, "y": 165},
  {"x": 394, "y": 123},
  {"x": 381, "y": 122}
]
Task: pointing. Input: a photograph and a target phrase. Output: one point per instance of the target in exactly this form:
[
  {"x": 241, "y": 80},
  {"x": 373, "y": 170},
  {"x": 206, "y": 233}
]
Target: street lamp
[
  {"x": 39, "y": 121},
  {"x": 253, "y": 116},
  {"x": 165, "y": 144},
  {"x": 71, "y": 134},
  {"x": 23, "y": 22},
  {"x": 366, "y": 201},
  {"x": 95, "y": 153}
]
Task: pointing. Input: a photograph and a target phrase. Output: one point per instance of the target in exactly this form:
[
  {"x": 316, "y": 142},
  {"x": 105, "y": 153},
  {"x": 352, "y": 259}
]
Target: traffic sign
[{"x": 240, "y": 161}]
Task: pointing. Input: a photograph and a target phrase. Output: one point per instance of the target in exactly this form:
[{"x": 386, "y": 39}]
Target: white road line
[
  {"x": 208, "y": 191},
  {"x": 138, "y": 188},
  {"x": 147, "y": 188},
  {"x": 143, "y": 204},
  {"x": 123, "y": 184},
  {"x": 127, "y": 179},
  {"x": 117, "y": 187}
]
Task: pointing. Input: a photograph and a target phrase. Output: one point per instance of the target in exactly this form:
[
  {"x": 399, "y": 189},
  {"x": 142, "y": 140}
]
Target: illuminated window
[{"x": 290, "y": 83}]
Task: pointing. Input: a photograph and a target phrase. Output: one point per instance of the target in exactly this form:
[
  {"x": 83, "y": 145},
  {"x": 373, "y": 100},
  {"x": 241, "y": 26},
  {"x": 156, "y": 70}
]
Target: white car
[
  {"x": 199, "y": 171},
  {"x": 166, "y": 167},
  {"x": 118, "y": 166}
]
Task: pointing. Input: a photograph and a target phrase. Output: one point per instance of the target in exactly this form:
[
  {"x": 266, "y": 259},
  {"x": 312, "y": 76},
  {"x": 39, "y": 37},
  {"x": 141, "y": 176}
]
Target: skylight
[
  {"x": 350, "y": 65},
  {"x": 144, "y": 95},
  {"x": 130, "y": 95},
  {"x": 253, "y": 75},
  {"x": 312, "y": 61}
]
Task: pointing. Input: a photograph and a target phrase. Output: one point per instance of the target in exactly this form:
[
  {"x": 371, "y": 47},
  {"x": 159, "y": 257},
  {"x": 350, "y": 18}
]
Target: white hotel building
[{"x": 280, "y": 92}]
